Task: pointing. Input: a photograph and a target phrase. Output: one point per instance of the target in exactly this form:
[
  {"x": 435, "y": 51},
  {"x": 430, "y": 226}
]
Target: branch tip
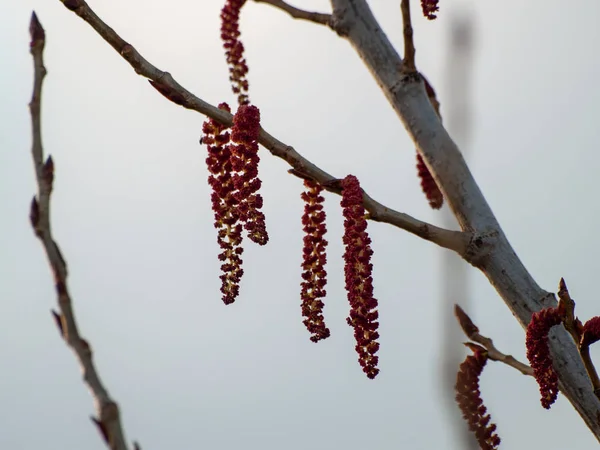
[
  {"x": 58, "y": 321},
  {"x": 101, "y": 429},
  {"x": 465, "y": 322},
  {"x": 36, "y": 32},
  {"x": 408, "y": 62},
  {"x": 39, "y": 215},
  {"x": 296, "y": 13}
]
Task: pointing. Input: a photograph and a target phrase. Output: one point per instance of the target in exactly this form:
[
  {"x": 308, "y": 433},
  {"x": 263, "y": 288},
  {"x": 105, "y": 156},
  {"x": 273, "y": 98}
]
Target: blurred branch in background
[{"x": 455, "y": 279}]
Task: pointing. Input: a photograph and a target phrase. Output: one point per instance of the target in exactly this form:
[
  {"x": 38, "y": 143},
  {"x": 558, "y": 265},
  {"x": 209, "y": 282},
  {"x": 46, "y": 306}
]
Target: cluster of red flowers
[
  {"x": 590, "y": 332},
  {"x": 233, "y": 164},
  {"x": 430, "y": 7},
  {"x": 538, "y": 350},
  {"x": 468, "y": 397},
  {"x": 224, "y": 205},
  {"x": 314, "y": 259},
  {"x": 234, "y": 49},
  {"x": 428, "y": 184},
  {"x": 244, "y": 164},
  {"x": 359, "y": 282},
  {"x": 234, "y": 181},
  {"x": 538, "y": 353}
]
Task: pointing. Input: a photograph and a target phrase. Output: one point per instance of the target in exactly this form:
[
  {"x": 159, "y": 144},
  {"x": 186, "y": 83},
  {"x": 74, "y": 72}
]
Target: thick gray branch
[{"x": 496, "y": 258}]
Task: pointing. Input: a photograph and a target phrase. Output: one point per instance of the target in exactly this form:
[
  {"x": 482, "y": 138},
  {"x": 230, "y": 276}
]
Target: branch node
[{"x": 480, "y": 247}]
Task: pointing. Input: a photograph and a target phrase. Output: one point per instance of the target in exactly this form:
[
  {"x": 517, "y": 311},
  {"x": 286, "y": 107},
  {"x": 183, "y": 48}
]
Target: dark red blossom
[
  {"x": 538, "y": 353},
  {"x": 359, "y": 282},
  {"x": 468, "y": 397},
  {"x": 314, "y": 259},
  {"x": 244, "y": 166},
  {"x": 430, "y": 7},
  {"x": 428, "y": 185},
  {"x": 234, "y": 49},
  {"x": 224, "y": 205},
  {"x": 591, "y": 332}
]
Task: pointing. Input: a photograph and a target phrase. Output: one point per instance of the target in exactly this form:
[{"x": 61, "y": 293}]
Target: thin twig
[
  {"x": 296, "y": 13},
  {"x": 575, "y": 329},
  {"x": 408, "y": 62},
  {"x": 567, "y": 305},
  {"x": 163, "y": 81},
  {"x": 108, "y": 420},
  {"x": 472, "y": 332}
]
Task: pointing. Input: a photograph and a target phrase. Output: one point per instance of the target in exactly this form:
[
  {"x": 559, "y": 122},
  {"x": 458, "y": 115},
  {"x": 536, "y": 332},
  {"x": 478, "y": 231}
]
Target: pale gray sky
[{"x": 131, "y": 212}]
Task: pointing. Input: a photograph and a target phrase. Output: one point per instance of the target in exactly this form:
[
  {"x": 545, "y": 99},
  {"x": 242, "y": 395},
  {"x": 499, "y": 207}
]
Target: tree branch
[
  {"x": 108, "y": 420},
  {"x": 315, "y": 17},
  {"x": 472, "y": 332},
  {"x": 575, "y": 328},
  {"x": 461, "y": 242},
  {"x": 409, "y": 45},
  {"x": 354, "y": 20}
]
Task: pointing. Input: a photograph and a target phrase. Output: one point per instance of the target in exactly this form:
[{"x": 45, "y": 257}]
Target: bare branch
[
  {"x": 315, "y": 17},
  {"x": 575, "y": 328},
  {"x": 458, "y": 241},
  {"x": 354, "y": 20},
  {"x": 472, "y": 332},
  {"x": 408, "y": 63},
  {"x": 108, "y": 421}
]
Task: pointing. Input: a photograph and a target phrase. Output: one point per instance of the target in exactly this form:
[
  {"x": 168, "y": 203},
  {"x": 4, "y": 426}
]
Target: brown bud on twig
[
  {"x": 168, "y": 93},
  {"x": 36, "y": 32},
  {"x": 101, "y": 428},
  {"x": 58, "y": 321},
  {"x": 48, "y": 172},
  {"x": 465, "y": 322},
  {"x": 34, "y": 216},
  {"x": 72, "y": 5}
]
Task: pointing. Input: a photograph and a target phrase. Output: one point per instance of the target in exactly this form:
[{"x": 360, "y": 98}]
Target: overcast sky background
[{"x": 132, "y": 215}]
